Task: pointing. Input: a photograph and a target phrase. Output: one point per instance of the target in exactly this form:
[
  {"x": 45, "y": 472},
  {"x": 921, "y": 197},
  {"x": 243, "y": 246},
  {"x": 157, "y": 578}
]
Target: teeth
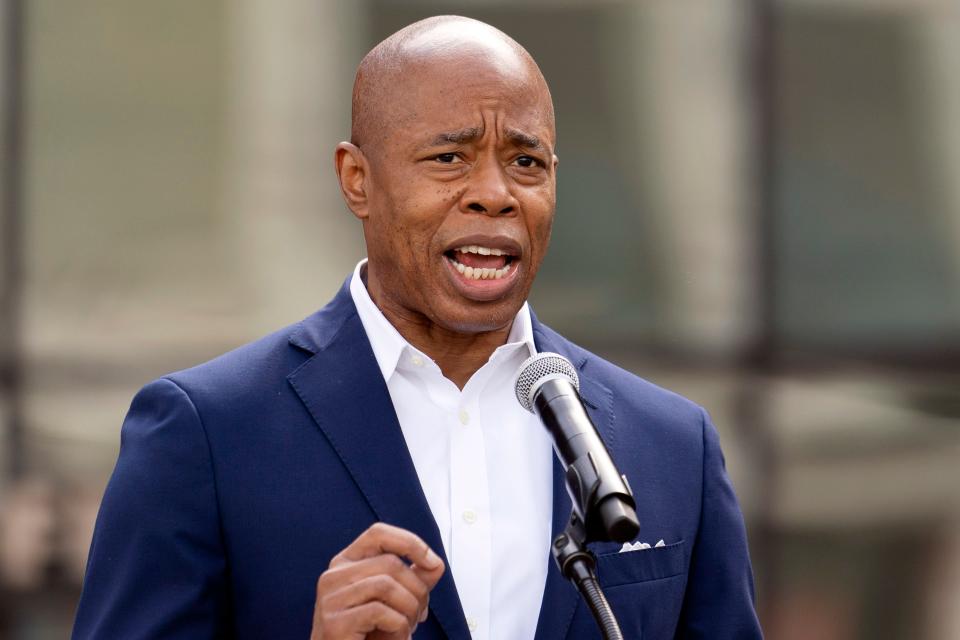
[
  {"x": 481, "y": 274},
  {"x": 484, "y": 251}
]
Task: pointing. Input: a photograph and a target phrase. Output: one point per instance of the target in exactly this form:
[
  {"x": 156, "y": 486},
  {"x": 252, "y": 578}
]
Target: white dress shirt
[{"x": 485, "y": 465}]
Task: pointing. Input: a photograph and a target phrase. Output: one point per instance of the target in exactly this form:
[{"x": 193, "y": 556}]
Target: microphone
[{"x": 548, "y": 386}]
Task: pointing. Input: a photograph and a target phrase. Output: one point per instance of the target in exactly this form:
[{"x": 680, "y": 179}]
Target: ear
[
  {"x": 556, "y": 162},
  {"x": 353, "y": 173}
]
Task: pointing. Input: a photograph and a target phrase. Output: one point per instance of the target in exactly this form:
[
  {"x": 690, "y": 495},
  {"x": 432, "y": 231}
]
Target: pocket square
[{"x": 638, "y": 546}]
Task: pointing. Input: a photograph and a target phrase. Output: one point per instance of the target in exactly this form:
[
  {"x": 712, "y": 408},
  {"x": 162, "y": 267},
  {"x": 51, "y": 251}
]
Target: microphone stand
[
  {"x": 577, "y": 564},
  {"x": 603, "y": 505}
]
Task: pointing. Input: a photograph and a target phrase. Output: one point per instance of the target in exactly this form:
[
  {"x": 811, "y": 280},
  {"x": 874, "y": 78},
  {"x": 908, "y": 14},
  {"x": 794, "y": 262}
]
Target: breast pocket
[
  {"x": 645, "y": 589},
  {"x": 618, "y": 568}
]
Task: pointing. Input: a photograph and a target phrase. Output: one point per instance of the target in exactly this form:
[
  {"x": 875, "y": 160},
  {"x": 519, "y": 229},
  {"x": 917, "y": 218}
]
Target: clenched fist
[{"x": 377, "y": 588}]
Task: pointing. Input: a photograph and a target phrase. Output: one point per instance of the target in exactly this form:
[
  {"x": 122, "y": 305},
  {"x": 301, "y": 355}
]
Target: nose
[{"x": 488, "y": 191}]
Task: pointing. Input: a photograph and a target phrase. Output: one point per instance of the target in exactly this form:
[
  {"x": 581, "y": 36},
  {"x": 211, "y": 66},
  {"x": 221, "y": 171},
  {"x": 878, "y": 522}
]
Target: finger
[
  {"x": 384, "y": 538},
  {"x": 426, "y": 610},
  {"x": 366, "y": 618},
  {"x": 430, "y": 577},
  {"x": 382, "y": 588},
  {"x": 334, "y": 591},
  {"x": 344, "y": 574}
]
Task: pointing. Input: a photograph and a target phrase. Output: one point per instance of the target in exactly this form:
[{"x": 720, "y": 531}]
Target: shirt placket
[{"x": 470, "y": 515}]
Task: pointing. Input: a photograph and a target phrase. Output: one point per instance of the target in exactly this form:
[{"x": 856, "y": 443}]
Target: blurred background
[{"x": 758, "y": 206}]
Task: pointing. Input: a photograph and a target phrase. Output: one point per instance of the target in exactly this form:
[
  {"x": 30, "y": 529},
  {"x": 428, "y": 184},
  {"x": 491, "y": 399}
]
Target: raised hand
[{"x": 377, "y": 588}]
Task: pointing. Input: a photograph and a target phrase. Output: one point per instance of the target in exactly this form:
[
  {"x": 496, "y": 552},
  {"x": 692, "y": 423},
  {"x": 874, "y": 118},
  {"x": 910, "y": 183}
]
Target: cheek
[
  {"x": 413, "y": 216},
  {"x": 426, "y": 208},
  {"x": 541, "y": 242},
  {"x": 540, "y": 224}
]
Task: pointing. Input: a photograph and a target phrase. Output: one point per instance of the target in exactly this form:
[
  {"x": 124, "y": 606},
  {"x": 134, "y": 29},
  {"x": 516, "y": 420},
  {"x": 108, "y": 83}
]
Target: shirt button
[
  {"x": 417, "y": 361},
  {"x": 464, "y": 417},
  {"x": 472, "y": 624},
  {"x": 469, "y": 516}
]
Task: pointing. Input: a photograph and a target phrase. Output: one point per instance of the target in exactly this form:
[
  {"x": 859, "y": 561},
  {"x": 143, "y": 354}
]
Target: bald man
[{"x": 367, "y": 472}]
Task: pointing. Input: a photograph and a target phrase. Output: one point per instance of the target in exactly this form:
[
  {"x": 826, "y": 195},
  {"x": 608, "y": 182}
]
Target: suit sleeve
[
  {"x": 157, "y": 566},
  {"x": 719, "y": 602}
]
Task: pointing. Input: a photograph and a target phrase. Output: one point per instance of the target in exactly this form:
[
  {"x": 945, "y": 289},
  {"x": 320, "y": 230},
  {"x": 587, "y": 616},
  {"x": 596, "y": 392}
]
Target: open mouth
[{"x": 476, "y": 262}]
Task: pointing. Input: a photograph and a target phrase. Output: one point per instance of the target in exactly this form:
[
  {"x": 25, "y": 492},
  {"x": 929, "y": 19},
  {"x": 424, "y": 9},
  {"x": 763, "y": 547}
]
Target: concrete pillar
[
  {"x": 290, "y": 76},
  {"x": 939, "y": 69},
  {"x": 695, "y": 100}
]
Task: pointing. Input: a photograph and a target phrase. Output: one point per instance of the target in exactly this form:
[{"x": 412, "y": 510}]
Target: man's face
[{"x": 461, "y": 195}]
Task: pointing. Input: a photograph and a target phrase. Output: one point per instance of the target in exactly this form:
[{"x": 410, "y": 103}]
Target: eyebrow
[
  {"x": 470, "y": 134},
  {"x": 522, "y": 139},
  {"x": 457, "y": 137}
]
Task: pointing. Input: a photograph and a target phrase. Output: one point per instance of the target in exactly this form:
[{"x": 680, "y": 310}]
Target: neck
[{"x": 459, "y": 355}]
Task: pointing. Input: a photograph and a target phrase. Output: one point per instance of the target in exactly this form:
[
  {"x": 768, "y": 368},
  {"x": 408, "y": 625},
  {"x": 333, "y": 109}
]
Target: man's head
[{"x": 451, "y": 154}]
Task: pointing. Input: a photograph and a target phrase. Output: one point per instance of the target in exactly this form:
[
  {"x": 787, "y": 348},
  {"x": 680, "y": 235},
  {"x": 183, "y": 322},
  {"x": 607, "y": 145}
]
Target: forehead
[{"x": 460, "y": 93}]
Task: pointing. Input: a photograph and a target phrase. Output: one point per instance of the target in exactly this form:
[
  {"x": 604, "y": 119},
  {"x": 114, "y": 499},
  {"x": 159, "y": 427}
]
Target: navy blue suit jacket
[{"x": 240, "y": 479}]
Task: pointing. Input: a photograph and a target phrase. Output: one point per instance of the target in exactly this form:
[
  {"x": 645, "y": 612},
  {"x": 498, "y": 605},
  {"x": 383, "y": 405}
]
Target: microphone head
[{"x": 538, "y": 369}]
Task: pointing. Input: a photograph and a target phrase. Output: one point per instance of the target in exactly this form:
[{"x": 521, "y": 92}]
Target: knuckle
[
  {"x": 379, "y": 610},
  {"x": 421, "y": 591},
  {"x": 324, "y": 582},
  {"x": 396, "y": 622},
  {"x": 382, "y": 584},
  {"x": 327, "y": 604},
  {"x": 335, "y": 625},
  {"x": 394, "y": 564},
  {"x": 387, "y": 619}
]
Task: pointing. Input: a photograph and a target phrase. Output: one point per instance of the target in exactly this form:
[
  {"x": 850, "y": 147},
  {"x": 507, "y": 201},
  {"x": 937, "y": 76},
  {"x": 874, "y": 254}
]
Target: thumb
[{"x": 430, "y": 575}]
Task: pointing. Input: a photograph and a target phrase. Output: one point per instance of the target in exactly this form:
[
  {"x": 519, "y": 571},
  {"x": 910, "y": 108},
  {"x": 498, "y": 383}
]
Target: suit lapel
[
  {"x": 344, "y": 391},
  {"x": 560, "y": 597}
]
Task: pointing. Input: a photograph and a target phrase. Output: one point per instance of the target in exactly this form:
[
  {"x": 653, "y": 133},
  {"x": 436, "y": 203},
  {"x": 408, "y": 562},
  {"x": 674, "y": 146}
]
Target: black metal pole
[
  {"x": 753, "y": 403},
  {"x": 577, "y": 564},
  {"x": 11, "y": 183}
]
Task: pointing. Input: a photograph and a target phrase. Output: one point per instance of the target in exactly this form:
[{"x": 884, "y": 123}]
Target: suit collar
[
  {"x": 345, "y": 392},
  {"x": 315, "y": 332}
]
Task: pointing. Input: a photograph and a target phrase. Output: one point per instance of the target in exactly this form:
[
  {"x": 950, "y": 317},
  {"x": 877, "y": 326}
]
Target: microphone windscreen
[{"x": 538, "y": 369}]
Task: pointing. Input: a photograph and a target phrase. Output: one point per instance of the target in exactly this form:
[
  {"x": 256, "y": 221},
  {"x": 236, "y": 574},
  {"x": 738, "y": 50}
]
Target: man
[{"x": 366, "y": 472}]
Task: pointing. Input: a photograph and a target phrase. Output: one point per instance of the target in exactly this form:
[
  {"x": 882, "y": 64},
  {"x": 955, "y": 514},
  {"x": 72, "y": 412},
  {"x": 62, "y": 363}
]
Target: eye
[
  {"x": 446, "y": 158},
  {"x": 527, "y": 161}
]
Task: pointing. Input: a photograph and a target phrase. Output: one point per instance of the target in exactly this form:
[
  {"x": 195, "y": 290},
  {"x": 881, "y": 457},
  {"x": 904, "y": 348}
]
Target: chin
[{"x": 477, "y": 319}]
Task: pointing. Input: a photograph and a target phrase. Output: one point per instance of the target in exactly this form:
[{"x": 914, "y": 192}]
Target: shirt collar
[{"x": 387, "y": 343}]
